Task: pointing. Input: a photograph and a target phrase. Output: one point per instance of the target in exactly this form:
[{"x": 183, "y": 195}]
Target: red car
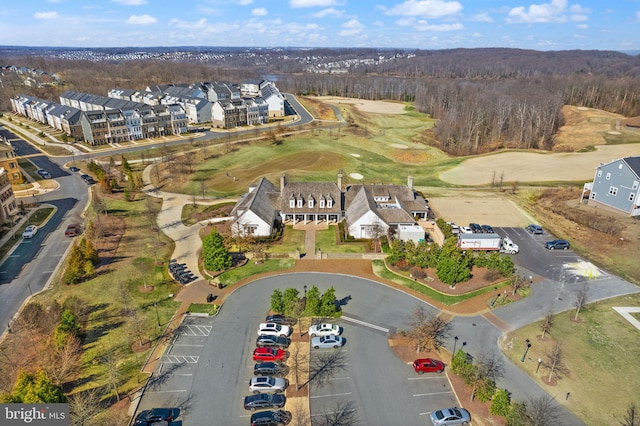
[
  {"x": 269, "y": 354},
  {"x": 428, "y": 365}
]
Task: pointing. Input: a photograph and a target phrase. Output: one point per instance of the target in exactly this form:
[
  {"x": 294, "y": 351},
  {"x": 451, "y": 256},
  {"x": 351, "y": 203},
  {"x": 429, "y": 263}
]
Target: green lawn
[
  {"x": 251, "y": 268},
  {"x": 326, "y": 241},
  {"x": 292, "y": 240},
  {"x": 601, "y": 354}
]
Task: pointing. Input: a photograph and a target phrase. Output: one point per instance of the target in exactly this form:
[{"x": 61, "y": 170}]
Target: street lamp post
[
  {"x": 305, "y": 292},
  {"x": 29, "y": 286},
  {"x": 157, "y": 315},
  {"x": 538, "y": 367},
  {"x": 455, "y": 342},
  {"x": 526, "y": 349}
]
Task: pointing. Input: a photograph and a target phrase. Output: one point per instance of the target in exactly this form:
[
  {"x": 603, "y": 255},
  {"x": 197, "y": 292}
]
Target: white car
[
  {"x": 273, "y": 329},
  {"x": 325, "y": 342},
  {"x": 30, "y": 231},
  {"x": 262, "y": 384},
  {"x": 324, "y": 330},
  {"x": 466, "y": 230}
]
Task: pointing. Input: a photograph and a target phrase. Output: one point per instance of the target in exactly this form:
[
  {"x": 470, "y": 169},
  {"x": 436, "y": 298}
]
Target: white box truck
[{"x": 487, "y": 242}]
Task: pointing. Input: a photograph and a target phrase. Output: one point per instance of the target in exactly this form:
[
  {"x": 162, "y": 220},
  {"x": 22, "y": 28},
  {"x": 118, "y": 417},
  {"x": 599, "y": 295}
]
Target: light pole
[
  {"x": 29, "y": 286},
  {"x": 538, "y": 367},
  {"x": 155, "y": 304},
  {"x": 455, "y": 342},
  {"x": 526, "y": 349},
  {"x": 305, "y": 292}
]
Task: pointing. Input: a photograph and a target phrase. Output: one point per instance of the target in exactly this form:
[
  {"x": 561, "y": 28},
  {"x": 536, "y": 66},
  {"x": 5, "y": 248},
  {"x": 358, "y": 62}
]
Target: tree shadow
[{"x": 95, "y": 334}]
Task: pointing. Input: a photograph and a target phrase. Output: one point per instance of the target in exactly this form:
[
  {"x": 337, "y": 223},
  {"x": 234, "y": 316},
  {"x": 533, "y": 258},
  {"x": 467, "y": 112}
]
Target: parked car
[
  {"x": 488, "y": 229},
  {"x": 280, "y": 319},
  {"x": 535, "y": 229},
  {"x": 557, "y": 245},
  {"x": 88, "y": 179},
  {"x": 466, "y": 230},
  {"x": 273, "y": 329},
  {"x": 475, "y": 228},
  {"x": 450, "y": 416},
  {"x": 72, "y": 230},
  {"x": 30, "y": 231},
  {"x": 271, "y": 418},
  {"x": 324, "y": 329},
  {"x": 270, "y": 368},
  {"x": 327, "y": 342},
  {"x": 155, "y": 415},
  {"x": 273, "y": 341},
  {"x": 74, "y": 169},
  {"x": 269, "y": 354},
  {"x": 455, "y": 229},
  {"x": 428, "y": 365},
  {"x": 260, "y": 401},
  {"x": 267, "y": 384},
  {"x": 43, "y": 174}
]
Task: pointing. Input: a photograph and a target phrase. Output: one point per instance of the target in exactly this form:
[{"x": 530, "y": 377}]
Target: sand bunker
[
  {"x": 399, "y": 146},
  {"x": 613, "y": 132},
  {"x": 379, "y": 107},
  {"x": 583, "y": 108},
  {"x": 355, "y": 155},
  {"x": 357, "y": 176}
]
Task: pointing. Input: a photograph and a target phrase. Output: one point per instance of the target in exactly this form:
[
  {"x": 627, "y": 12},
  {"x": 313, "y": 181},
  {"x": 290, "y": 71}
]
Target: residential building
[
  {"x": 256, "y": 214},
  {"x": 617, "y": 185},
  {"x": 9, "y": 162},
  {"x": 8, "y": 206},
  {"x": 270, "y": 93}
]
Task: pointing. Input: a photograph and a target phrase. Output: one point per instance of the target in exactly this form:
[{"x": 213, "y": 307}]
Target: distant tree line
[{"x": 484, "y": 99}]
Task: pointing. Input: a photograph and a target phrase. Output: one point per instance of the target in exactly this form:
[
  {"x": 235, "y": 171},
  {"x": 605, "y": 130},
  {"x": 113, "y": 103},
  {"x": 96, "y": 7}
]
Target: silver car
[
  {"x": 262, "y": 384},
  {"x": 325, "y": 342},
  {"x": 450, "y": 416}
]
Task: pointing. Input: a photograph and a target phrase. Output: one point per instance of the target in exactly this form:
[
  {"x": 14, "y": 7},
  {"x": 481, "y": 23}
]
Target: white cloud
[
  {"x": 141, "y": 19},
  {"x": 245, "y": 2},
  {"x": 482, "y": 17},
  {"x": 197, "y": 25},
  {"x": 638, "y": 15},
  {"x": 130, "y": 2},
  {"x": 537, "y": 13},
  {"x": 426, "y": 8},
  {"x": 582, "y": 26},
  {"x": 311, "y": 3},
  {"x": 328, "y": 12},
  {"x": 260, "y": 11},
  {"x": 46, "y": 15},
  {"x": 425, "y": 26},
  {"x": 351, "y": 28}
]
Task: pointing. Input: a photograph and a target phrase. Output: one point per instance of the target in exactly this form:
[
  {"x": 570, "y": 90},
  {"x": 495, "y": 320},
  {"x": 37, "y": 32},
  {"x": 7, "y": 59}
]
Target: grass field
[
  {"x": 600, "y": 352},
  {"x": 292, "y": 240}
]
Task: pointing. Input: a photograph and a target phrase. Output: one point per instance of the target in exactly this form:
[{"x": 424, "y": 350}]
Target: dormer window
[
  {"x": 329, "y": 203},
  {"x": 300, "y": 202},
  {"x": 292, "y": 202},
  {"x": 311, "y": 202},
  {"x": 322, "y": 203}
]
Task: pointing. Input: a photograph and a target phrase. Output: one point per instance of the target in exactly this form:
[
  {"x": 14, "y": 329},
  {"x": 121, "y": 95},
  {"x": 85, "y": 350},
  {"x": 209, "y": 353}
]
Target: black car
[
  {"x": 280, "y": 319},
  {"x": 476, "y": 228},
  {"x": 557, "y": 245},
  {"x": 154, "y": 415},
  {"x": 260, "y": 401},
  {"x": 273, "y": 341},
  {"x": 74, "y": 169},
  {"x": 488, "y": 229},
  {"x": 269, "y": 368},
  {"x": 271, "y": 418}
]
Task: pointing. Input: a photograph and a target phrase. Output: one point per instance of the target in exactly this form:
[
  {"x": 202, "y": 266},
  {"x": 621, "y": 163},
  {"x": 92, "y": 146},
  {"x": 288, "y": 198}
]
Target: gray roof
[
  {"x": 402, "y": 202},
  {"x": 315, "y": 190},
  {"x": 634, "y": 164},
  {"x": 262, "y": 200}
]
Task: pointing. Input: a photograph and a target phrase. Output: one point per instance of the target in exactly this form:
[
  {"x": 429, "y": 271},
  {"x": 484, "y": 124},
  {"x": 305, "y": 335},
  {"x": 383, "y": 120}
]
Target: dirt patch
[
  {"x": 488, "y": 208},
  {"x": 378, "y": 107},
  {"x": 107, "y": 246},
  {"x": 318, "y": 109},
  {"x": 410, "y": 156},
  {"x": 584, "y": 127}
]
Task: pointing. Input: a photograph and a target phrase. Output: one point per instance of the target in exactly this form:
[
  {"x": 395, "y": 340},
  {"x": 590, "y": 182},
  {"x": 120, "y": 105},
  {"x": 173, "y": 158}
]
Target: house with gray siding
[{"x": 617, "y": 185}]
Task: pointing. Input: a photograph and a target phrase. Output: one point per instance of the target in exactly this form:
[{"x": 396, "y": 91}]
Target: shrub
[
  {"x": 492, "y": 275},
  {"x": 501, "y": 404},
  {"x": 485, "y": 391},
  {"x": 215, "y": 255},
  {"x": 277, "y": 301}
]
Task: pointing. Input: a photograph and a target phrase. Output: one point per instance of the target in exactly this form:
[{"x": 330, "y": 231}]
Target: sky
[{"x": 422, "y": 24}]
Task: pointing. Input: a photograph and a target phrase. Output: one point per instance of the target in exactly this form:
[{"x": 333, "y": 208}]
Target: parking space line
[
  {"x": 330, "y": 413},
  {"x": 340, "y": 378},
  {"x": 425, "y": 378},
  {"x": 168, "y": 391},
  {"x": 183, "y": 374},
  {"x": 425, "y": 414},
  {"x": 197, "y": 346},
  {"x": 328, "y": 396},
  {"x": 180, "y": 359},
  {"x": 366, "y": 324},
  {"x": 432, "y": 393}
]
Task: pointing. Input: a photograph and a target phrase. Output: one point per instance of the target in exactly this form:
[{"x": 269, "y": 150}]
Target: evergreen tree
[{"x": 328, "y": 303}]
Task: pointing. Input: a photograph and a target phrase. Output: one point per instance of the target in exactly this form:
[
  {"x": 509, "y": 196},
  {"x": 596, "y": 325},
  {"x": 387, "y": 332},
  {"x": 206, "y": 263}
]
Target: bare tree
[
  {"x": 428, "y": 331},
  {"x": 488, "y": 367},
  {"x": 538, "y": 411},
  {"x": 516, "y": 282},
  {"x": 113, "y": 375},
  {"x": 581, "y": 298},
  {"x": 83, "y": 407},
  {"x": 547, "y": 323},
  {"x": 298, "y": 360},
  {"x": 554, "y": 361},
  {"x": 343, "y": 413},
  {"x": 324, "y": 366},
  {"x": 64, "y": 362},
  {"x": 631, "y": 417}
]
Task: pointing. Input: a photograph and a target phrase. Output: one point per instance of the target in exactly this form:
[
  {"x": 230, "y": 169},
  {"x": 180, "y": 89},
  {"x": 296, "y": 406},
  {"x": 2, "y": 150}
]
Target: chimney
[
  {"x": 410, "y": 182},
  {"x": 283, "y": 182},
  {"x": 340, "y": 181}
]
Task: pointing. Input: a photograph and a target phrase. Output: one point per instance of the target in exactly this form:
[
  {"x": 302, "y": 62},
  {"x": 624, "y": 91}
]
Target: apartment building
[
  {"x": 8, "y": 206},
  {"x": 9, "y": 162}
]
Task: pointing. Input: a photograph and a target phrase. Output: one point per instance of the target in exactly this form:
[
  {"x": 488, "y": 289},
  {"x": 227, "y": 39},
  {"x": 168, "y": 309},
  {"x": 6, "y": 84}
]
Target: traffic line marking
[
  {"x": 426, "y": 378},
  {"x": 432, "y": 393},
  {"x": 331, "y": 395},
  {"x": 366, "y": 324}
]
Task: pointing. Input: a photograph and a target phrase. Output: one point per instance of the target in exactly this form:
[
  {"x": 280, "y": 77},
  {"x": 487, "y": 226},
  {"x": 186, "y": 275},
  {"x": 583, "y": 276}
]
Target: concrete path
[{"x": 187, "y": 238}]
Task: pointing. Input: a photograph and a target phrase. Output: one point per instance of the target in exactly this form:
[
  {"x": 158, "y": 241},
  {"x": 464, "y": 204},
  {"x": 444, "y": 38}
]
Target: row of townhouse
[
  {"x": 8, "y": 205},
  {"x": 224, "y": 104},
  {"x": 99, "y": 120},
  {"x": 9, "y": 161}
]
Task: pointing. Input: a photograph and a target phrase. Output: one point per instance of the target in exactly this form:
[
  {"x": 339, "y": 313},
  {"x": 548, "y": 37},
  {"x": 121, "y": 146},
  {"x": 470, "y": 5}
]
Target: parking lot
[{"x": 376, "y": 385}]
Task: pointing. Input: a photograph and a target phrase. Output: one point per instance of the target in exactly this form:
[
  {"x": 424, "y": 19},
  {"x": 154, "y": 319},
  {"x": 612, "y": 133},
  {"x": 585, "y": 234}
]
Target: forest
[{"x": 484, "y": 99}]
